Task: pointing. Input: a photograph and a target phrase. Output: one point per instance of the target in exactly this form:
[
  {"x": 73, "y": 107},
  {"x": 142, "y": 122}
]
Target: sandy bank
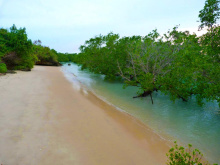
[{"x": 44, "y": 120}]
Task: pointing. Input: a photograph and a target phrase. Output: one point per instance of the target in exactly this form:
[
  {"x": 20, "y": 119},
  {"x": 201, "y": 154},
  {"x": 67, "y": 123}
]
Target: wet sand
[{"x": 45, "y": 119}]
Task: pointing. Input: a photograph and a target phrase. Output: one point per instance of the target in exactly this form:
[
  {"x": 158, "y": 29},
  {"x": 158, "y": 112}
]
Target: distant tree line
[
  {"x": 67, "y": 57},
  {"x": 17, "y": 52},
  {"x": 177, "y": 63}
]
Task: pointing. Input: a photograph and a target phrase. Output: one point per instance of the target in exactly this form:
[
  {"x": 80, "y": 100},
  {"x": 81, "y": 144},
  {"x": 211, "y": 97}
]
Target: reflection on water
[{"x": 185, "y": 122}]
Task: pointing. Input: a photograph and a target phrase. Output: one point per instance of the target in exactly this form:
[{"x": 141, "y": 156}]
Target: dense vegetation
[
  {"x": 45, "y": 55},
  {"x": 16, "y": 49},
  {"x": 66, "y": 57},
  {"x": 17, "y": 52},
  {"x": 177, "y": 63}
]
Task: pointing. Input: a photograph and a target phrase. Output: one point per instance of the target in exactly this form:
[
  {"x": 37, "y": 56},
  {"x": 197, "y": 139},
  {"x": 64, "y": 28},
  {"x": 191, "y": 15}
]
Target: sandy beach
[{"x": 46, "y": 120}]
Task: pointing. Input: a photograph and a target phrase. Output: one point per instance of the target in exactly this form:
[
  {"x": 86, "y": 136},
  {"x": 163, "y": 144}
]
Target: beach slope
[{"x": 45, "y": 119}]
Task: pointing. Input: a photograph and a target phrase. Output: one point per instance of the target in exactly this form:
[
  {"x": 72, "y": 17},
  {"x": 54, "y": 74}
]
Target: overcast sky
[{"x": 64, "y": 25}]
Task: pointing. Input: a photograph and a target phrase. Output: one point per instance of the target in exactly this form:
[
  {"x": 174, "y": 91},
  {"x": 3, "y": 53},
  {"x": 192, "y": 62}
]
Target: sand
[{"x": 47, "y": 120}]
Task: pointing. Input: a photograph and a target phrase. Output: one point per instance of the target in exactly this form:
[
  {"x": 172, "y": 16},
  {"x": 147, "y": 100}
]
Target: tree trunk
[
  {"x": 145, "y": 94},
  {"x": 185, "y": 100},
  {"x": 151, "y": 99}
]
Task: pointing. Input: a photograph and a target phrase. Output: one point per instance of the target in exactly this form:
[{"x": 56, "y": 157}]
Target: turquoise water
[{"x": 181, "y": 121}]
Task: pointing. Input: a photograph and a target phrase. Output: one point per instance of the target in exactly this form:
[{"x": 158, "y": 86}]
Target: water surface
[{"x": 181, "y": 121}]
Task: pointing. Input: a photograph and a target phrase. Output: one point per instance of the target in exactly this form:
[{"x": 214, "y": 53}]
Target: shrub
[
  {"x": 3, "y": 68},
  {"x": 178, "y": 155},
  {"x": 16, "y": 49}
]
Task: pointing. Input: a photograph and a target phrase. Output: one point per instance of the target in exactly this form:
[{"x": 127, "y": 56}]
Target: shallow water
[{"x": 181, "y": 121}]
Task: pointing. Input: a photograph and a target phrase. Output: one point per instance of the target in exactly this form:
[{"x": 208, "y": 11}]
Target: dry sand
[{"x": 45, "y": 120}]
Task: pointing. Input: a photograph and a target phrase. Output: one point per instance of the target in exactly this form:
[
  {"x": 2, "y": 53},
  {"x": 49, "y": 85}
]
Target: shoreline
[
  {"x": 163, "y": 136},
  {"x": 72, "y": 78},
  {"x": 58, "y": 123}
]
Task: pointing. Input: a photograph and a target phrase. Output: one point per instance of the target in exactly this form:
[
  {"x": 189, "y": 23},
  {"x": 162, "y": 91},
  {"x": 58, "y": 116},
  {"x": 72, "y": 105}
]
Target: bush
[
  {"x": 178, "y": 155},
  {"x": 16, "y": 49},
  {"x": 3, "y": 68}
]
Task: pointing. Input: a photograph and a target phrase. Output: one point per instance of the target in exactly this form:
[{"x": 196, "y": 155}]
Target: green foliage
[
  {"x": 186, "y": 69},
  {"x": 3, "y": 38},
  {"x": 99, "y": 51},
  {"x": 178, "y": 155},
  {"x": 66, "y": 57},
  {"x": 16, "y": 48},
  {"x": 45, "y": 55},
  {"x": 18, "y": 52},
  {"x": 148, "y": 61},
  {"x": 209, "y": 14},
  {"x": 210, "y": 86},
  {"x": 210, "y": 44},
  {"x": 177, "y": 63},
  {"x": 3, "y": 68}
]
